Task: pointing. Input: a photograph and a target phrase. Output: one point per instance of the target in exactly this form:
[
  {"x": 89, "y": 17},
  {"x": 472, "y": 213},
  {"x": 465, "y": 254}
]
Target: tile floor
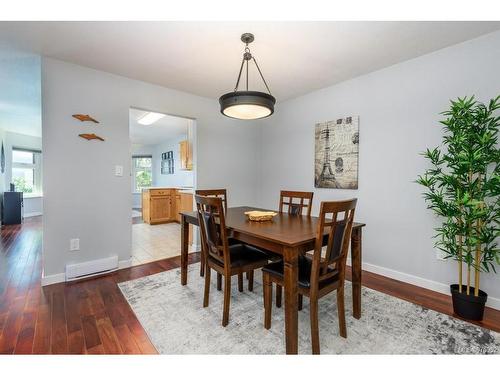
[{"x": 154, "y": 242}]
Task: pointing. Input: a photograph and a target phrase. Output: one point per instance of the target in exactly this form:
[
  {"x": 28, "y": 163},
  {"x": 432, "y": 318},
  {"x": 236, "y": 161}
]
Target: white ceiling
[
  {"x": 166, "y": 128},
  {"x": 204, "y": 57}
]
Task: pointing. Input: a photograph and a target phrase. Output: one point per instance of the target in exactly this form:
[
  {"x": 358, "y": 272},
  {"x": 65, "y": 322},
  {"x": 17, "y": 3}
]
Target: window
[
  {"x": 27, "y": 171},
  {"x": 142, "y": 172}
]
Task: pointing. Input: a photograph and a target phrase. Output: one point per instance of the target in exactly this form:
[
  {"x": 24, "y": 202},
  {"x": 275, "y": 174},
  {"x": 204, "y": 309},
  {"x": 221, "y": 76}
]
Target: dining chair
[
  {"x": 227, "y": 260},
  {"x": 222, "y": 194},
  {"x": 319, "y": 275},
  {"x": 293, "y": 203},
  {"x": 216, "y": 193}
]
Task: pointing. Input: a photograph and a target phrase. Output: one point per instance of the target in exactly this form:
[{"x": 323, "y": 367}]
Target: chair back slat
[
  {"x": 215, "y": 193},
  {"x": 333, "y": 231},
  {"x": 294, "y": 202},
  {"x": 213, "y": 228}
]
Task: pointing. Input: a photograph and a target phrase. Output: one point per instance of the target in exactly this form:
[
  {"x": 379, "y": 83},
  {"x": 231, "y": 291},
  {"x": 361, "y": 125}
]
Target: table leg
[
  {"x": 356, "y": 271},
  {"x": 184, "y": 249},
  {"x": 290, "y": 257}
]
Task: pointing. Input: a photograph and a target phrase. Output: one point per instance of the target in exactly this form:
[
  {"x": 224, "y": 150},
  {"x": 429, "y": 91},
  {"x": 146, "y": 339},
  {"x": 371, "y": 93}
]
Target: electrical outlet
[{"x": 74, "y": 244}]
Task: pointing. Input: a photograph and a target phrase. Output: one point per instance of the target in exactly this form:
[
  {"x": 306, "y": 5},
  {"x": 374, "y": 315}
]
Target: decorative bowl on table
[{"x": 260, "y": 215}]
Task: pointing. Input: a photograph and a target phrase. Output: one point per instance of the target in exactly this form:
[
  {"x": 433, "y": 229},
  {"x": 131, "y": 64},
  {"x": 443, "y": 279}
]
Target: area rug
[{"x": 176, "y": 322}]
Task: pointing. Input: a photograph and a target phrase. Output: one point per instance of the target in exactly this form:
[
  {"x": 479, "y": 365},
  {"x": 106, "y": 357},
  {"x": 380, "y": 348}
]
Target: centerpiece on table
[{"x": 260, "y": 215}]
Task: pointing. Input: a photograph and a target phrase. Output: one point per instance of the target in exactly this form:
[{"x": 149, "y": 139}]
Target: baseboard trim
[
  {"x": 53, "y": 279},
  {"x": 31, "y": 214},
  {"x": 419, "y": 281},
  {"x": 125, "y": 263},
  {"x": 61, "y": 277}
]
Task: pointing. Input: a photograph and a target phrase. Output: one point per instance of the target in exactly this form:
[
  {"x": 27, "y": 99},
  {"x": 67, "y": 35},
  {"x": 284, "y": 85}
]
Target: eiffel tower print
[
  {"x": 326, "y": 172},
  {"x": 336, "y": 154}
]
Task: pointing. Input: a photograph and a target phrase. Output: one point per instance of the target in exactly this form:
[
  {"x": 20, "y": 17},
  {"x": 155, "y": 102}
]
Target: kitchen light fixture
[
  {"x": 150, "y": 118},
  {"x": 247, "y": 105}
]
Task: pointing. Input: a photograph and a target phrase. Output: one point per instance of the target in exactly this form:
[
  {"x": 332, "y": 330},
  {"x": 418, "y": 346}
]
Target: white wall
[
  {"x": 180, "y": 177},
  {"x": 399, "y": 111},
  {"x": 21, "y": 141},
  {"x": 137, "y": 149},
  {"x": 82, "y": 197},
  {"x": 33, "y": 206},
  {"x": 20, "y": 113}
]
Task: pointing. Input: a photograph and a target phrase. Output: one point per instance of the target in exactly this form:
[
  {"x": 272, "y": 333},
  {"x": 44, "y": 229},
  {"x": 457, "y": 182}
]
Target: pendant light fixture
[{"x": 247, "y": 105}]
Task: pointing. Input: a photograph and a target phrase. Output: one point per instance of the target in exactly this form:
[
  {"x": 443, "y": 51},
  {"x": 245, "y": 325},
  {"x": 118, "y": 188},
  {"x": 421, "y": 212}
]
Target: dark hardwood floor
[{"x": 93, "y": 317}]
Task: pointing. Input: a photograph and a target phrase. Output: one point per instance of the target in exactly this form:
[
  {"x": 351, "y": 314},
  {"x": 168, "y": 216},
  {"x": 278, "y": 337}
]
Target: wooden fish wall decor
[
  {"x": 85, "y": 118},
  {"x": 89, "y": 137}
]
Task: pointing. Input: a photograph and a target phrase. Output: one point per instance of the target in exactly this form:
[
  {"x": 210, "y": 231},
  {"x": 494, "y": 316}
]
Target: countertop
[{"x": 180, "y": 189}]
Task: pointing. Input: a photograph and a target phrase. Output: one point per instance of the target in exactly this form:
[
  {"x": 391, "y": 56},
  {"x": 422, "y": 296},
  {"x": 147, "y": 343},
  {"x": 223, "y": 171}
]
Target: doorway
[{"x": 162, "y": 182}]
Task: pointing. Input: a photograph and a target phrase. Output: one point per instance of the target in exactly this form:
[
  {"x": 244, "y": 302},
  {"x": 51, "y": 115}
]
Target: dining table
[{"x": 286, "y": 235}]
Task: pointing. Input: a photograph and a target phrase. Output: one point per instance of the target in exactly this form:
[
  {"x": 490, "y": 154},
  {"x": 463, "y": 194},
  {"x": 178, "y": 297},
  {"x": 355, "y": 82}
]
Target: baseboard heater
[{"x": 92, "y": 268}]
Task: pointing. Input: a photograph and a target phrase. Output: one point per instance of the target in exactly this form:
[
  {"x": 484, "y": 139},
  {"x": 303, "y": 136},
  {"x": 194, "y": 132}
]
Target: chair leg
[
  {"x": 250, "y": 280},
  {"x": 268, "y": 300},
  {"x": 202, "y": 263},
  {"x": 313, "y": 306},
  {"x": 227, "y": 299},
  {"x": 207, "y": 286},
  {"x": 219, "y": 281},
  {"x": 278, "y": 295},
  {"x": 341, "y": 312},
  {"x": 240, "y": 282},
  {"x": 301, "y": 299}
]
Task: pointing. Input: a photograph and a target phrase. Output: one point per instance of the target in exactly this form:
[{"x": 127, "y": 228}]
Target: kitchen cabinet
[
  {"x": 164, "y": 205},
  {"x": 184, "y": 203},
  {"x": 158, "y": 205},
  {"x": 185, "y": 155}
]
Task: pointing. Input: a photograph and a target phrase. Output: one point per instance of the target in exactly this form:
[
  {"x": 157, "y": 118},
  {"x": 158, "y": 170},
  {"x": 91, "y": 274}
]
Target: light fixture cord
[
  {"x": 247, "y": 75},
  {"x": 247, "y": 50},
  {"x": 261, "y": 76},
  {"x": 239, "y": 75}
]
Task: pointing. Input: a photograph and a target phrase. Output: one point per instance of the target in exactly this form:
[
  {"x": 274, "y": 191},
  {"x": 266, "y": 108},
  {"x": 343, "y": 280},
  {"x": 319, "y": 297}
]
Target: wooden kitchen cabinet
[
  {"x": 164, "y": 206},
  {"x": 184, "y": 203},
  {"x": 161, "y": 209},
  {"x": 158, "y": 206},
  {"x": 185, "y": 155}
]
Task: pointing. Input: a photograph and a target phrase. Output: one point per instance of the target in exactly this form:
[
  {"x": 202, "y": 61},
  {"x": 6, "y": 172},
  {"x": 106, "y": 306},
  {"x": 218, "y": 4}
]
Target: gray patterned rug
[{"x": 176, "y": 322}]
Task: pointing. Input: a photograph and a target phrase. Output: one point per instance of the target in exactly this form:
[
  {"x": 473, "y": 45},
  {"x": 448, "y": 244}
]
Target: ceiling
[
  {"x": 166, "y": 128},
  {"x": 203, "y": 58}
]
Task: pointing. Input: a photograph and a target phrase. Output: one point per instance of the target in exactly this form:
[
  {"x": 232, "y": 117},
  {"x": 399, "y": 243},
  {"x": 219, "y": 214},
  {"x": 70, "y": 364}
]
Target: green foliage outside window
[
  {"x": 21, "y": 185},
  {"x": 143, "y": 179}
]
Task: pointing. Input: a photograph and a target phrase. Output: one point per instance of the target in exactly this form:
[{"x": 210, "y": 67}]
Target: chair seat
[
  {"x": 243, "y": 254},
  {"x": 273, "y": 257},
  {"x": 305, "y": 267}
]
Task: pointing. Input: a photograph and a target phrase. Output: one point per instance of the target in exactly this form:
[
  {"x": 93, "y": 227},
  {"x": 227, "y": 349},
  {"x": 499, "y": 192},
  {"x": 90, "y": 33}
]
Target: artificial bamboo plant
[{"x": 463, "y": 188}]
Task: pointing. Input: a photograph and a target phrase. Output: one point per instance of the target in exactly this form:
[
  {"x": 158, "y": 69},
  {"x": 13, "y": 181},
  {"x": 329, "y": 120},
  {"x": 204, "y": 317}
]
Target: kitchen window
[
  {"x": 142, "y": 172},
  {"x": 27, "y": 171}
]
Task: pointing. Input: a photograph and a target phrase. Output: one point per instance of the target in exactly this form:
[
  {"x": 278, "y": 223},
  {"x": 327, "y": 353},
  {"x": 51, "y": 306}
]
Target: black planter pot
[{"x": 468, "y": 306}]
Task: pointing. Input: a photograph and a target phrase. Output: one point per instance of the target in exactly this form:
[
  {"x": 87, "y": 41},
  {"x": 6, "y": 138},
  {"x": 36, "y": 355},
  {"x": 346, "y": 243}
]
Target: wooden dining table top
[{"x": 285, "y": 229}]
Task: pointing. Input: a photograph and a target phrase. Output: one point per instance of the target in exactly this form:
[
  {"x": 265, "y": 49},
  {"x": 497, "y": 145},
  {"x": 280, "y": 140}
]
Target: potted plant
[{"x": 463, "y": 188}]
